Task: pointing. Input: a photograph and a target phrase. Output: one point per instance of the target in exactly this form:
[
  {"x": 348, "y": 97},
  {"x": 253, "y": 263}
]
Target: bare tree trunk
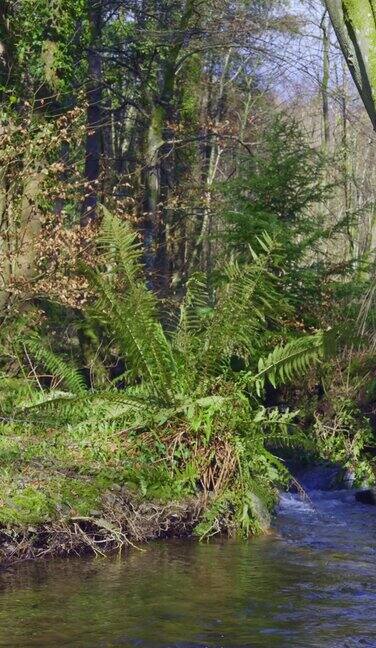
[
  {"x": 159, "y": 174},
  {"x": 213, "y": 154},
  {"x": 325, "y": 26},
  {"x": 19, "y": 231},
  {"x": 355, "y": 25},
  {"x": 5, "y": 269},
  {"x": 93, "y": 149},
  {"x": 346, "y": 163}
]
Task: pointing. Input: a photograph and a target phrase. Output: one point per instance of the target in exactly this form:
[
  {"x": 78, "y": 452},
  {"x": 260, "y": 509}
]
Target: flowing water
[{"x": 312, "y": 582}]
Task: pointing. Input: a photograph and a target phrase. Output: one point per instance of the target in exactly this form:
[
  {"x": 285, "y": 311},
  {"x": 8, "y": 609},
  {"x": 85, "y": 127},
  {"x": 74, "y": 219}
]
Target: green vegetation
[
  {"x": 182, "y": 275},
  {"x": 186, "y": 421}
]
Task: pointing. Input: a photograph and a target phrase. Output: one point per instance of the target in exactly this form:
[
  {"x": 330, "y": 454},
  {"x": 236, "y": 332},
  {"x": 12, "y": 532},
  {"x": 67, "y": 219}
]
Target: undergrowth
[{"x": 184, "y": 418}]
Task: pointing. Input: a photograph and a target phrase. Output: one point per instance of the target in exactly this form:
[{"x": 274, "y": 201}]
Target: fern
[
  {"x": 85, "y": 410},
  {"x": 242, "y": 305},
  {"x": 187, "y": 342},
  {"x": 184, "y": 409},
  {"x": 285, "y": 363},
  {"x": 121, "y": 248},
  {"x": 70, "y": 376},
  {"x": 132, "y": 315},
  {"x": 193, "y": 307}
]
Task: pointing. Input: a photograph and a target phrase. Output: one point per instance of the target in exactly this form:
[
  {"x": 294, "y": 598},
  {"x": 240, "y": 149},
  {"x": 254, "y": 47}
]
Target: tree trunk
[
  {"x": 18, "y": 232},
  {"x": 355, "y": 25},
  {"x": 93, "y": 148},
  {"x": 213, "y": 154},
  {"x": 325, "y": 79},
  {"x": 159, "y": 175}
]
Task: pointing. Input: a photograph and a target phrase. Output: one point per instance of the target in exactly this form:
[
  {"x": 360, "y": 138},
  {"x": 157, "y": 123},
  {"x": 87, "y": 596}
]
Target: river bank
[
  {"x": 309, "y": 584},
  {"x": 62, "y": 494},
  {"x": 122, "y": 523},
  {"x": 122, "y": 520}
]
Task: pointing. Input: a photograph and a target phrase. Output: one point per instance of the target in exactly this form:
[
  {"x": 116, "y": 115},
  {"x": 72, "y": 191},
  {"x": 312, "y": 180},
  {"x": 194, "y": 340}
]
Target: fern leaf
[
  {"x": 242, "y": 304},
  {"x": 85, "y": 410},
  {"x": 121, "y": 247},
  {"x": 129, "y": 309},
  {"x": 192, "y": 311},
  {"x": 286, "y": 363},
  {"x": 70, "y": 376}
]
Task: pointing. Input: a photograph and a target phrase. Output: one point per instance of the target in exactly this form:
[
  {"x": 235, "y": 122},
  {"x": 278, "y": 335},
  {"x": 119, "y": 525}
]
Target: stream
[{"x": 311, "y": 582}]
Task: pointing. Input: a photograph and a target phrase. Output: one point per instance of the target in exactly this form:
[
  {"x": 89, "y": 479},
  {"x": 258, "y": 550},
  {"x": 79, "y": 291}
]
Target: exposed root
[{"x": 123, "y": 522}]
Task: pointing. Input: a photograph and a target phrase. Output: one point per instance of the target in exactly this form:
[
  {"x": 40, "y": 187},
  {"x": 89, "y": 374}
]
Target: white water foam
[{"x": 291, "y": 501}]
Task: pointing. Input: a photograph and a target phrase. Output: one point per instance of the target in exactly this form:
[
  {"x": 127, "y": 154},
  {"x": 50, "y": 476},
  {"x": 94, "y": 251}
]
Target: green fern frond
[
  {"x": 242, "y": 304},
  {"x": 121, "y": 247},
  {"x": 70, "y": 376},
  {"x": 195, "y": 302},
  {"x": 129, "y": 310},
  {"x": 193, "y": 317},
  {"x": 85, "y": 410},
  {"x": 285, "y": 363},
  {"x": 133, "y": 322}
]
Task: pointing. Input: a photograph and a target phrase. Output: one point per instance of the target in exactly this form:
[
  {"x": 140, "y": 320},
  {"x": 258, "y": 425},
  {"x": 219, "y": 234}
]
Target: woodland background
[{"x": 187, "y": 226}]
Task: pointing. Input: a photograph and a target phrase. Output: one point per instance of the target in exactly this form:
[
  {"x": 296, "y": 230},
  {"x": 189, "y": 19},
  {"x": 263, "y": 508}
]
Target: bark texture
[
  {"x": 94, "y": 116},
  {"x": 354, "y": 22}
]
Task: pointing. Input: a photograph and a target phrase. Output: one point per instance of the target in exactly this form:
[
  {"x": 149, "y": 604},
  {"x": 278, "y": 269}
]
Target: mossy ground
[
  {"x": 46, "y": 475},
  {"x": 61, "y": 494}
]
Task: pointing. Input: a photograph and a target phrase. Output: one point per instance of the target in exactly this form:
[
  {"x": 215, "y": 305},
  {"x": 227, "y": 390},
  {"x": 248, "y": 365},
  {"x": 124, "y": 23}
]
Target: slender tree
[
  {"x": 354, "y": 22},
  {"x": 93, "y": 147},
  {"x": 324, "y": 26}
]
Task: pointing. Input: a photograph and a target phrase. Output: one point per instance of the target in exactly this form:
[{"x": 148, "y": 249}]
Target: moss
[
  {"x": 45, "y": 475},
  {"x": 25, "y": 507},
  {"x": 190, "y": 95},
  {"x": 9, "y": 449},
  {"x": 156, "y": 129},
  {"x": 362, "y": 18},
  {"x": 82, "y": 497},
  {"x": 28, "y": 498}
]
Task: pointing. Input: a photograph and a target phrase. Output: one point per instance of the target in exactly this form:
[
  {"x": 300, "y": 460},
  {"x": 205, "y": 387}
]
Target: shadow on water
[{"x": 312, "y": 582}]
